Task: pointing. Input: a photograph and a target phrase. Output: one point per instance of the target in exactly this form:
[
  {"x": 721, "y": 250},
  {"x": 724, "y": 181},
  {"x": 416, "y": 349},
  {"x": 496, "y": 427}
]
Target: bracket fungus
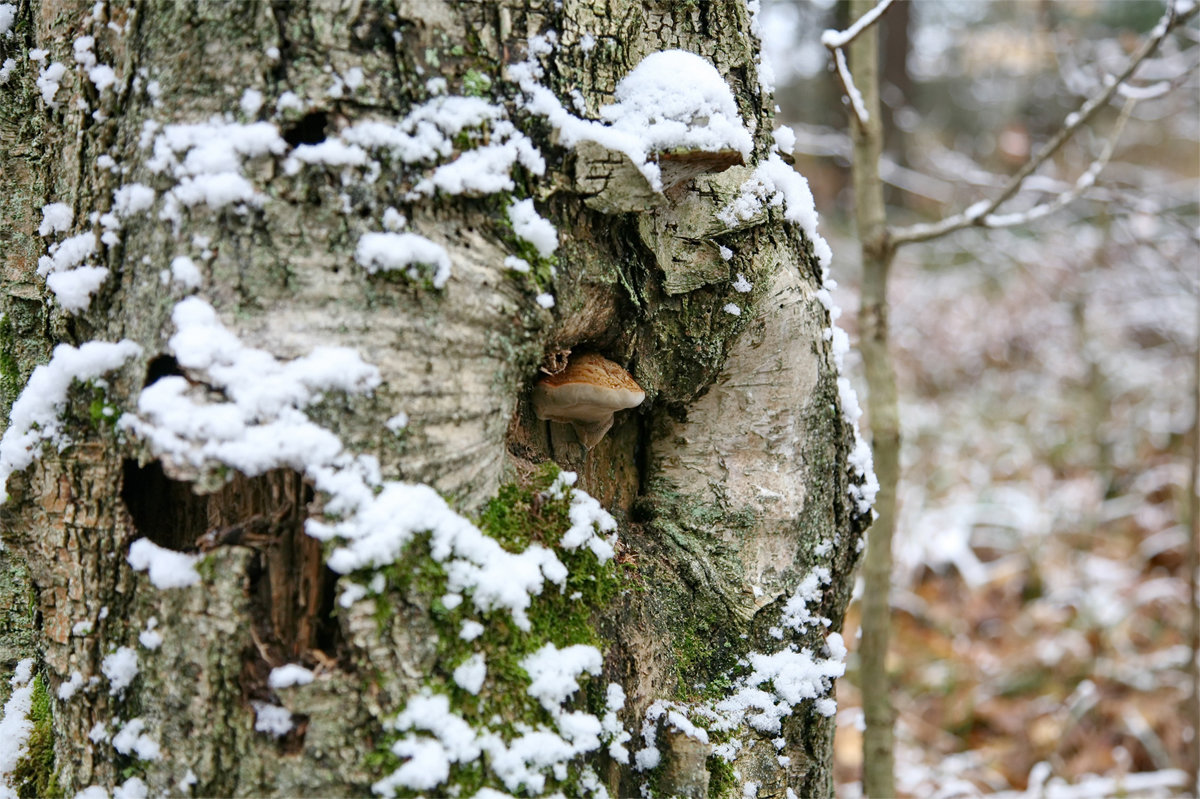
[{"x": 585, "y": 395}]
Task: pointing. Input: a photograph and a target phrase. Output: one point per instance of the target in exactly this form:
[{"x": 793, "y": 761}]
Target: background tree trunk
[{"x": 730, "y": 483}]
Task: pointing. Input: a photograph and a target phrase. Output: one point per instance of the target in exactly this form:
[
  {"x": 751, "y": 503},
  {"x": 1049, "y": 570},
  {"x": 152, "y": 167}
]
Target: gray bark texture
[{"x": 729, "y": 483}]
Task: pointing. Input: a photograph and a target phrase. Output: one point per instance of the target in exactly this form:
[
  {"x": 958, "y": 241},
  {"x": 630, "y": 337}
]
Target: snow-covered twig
[
  {"x": 847, "y": 81},
  {"x": 835, "y": 41},
  {"x": 1085, "y": 182},
  {"x": 977, "y": 214}
]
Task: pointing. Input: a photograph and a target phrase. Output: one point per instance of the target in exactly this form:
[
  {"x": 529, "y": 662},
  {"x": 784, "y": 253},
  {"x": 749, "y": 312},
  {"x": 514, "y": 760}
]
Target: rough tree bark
[{"x": 730, "y": 484}]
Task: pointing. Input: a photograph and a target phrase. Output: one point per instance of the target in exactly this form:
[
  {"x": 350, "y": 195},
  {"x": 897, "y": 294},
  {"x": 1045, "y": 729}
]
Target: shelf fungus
[
  {"x": 585, "y": 395},
  {"x": 674, "y": 119}
]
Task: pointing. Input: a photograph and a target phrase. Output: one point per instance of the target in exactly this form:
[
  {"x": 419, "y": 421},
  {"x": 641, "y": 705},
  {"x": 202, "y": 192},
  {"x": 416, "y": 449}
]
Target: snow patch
[
  {"x": 531, "y": 227},
  {"x": 35, "y": 415},
  {"x": 288, "y": 675},
  {"x": 403, "y": 251},
  {"x": 121, "y": 667},
  {"x": 167, "y": 568}
]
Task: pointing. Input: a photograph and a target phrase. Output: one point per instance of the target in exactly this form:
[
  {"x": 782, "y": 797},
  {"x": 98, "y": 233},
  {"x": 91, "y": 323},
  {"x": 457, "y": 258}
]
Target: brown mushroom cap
[{"x": 586, "y": 395}]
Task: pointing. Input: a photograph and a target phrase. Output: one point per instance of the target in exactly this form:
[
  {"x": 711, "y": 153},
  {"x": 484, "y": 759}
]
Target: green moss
[
  {"x": 101, "y": 412},
  {"x": 34, "y": 775},
  {"x": 476, "y": 83},
  {"x": 519, "y": 516},
  {"x": 10, "y": 372},
  {"x": 721, "y": 781}
]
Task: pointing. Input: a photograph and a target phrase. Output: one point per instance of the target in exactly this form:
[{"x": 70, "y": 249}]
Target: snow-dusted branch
[
  {"x": 836, "y": 41},
  {"x": 979, "y": 213},
  {"x": 1085, "y": 182},
  {"x": 851, "y": 91}
]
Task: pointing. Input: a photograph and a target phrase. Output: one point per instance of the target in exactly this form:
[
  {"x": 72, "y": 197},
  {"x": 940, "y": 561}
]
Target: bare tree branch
[
  {"x": 848, "y": 87},
  {"x": 834, "y": 41},
  {"x": 980, "y": 211},
  {"x": 1085, "y": 182}
]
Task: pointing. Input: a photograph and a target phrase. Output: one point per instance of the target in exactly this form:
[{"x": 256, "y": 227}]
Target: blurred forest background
[{"x": 1041, "y": 609}]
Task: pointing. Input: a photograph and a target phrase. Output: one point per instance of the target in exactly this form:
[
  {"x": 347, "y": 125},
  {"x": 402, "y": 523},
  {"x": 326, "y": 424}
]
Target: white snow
[
  {"x": 261, "y": 427},
  {"x": 92, "y": 792},
  {"x": 781, "y": 680},
  {"x": 102, "y": 76},
  {"x": 132, "y": 198},
  {"x": 48, "y": 81},
  {"x": 407, "y": 251},
  {"x": 74, "y": 288},
  {"x": 213, "y": 154},
  {"x": 517, "y": 264},
  {"x": 67, "y": 254},
  {"x": 554, "y": 672},
  {"x": 427, "y": 134},
  {"x": 185, "y": 272},
  {"x": 839, "y": 39},
  {"x": 8, "y": 13},
  {"x": 132, "y": 788},
  {"x": 437, "y": 738},
  {"x": 545, "y": 300},
  {"x": 589, "y": 521},
  {"x": 796, "y": 614},
  {"x": 6, "y": 69},
  {"x": 34, "y": 417},
  {"x": 470, "y": 630},
  {"x": 251, "y": 102},
  {"x": 67, "y": 689},
  {"x": 121, "y": 667},
  {"x": 272, "y": 719},
  {"x": 675, "y": 99},
  {"x": 167, "y": 568},
  {"x": 83, "y": 51},
  {"x": 476, "y": 564},
  {"x": 785, "y": 139},
  {"x": 330, "y": 152},
  {"x": 733, "y": 308},
  {"x": 15, "y": 726},
  {"x": 531, "y": 227},
  {"x": 742, "y": 285},
  {"x": 150, "y": 638},
  {"x": 393, "y": 220},
  {"x": 485, "y": 169},
  {"x": 672, "y": 714},
  {"x": 132, "y": 740},
  {"x": 470, "y": 674},
  {"x": 776, "y": 184},
  {"x": 288, "y": 675},
  {"x": 56, "y": 218},
  {"x": 397, "y": 423}
]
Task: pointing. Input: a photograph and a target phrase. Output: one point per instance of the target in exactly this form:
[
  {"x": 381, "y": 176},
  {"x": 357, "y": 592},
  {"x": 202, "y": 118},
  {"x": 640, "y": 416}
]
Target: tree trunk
[
  {"x": 289, "y": 474},
  {"x": 882, "y": 409}
]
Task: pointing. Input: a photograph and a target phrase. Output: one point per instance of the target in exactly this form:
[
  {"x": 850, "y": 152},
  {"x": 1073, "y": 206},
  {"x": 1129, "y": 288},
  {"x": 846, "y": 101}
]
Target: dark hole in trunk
[
  {"x": 161, "y": 366},
  {"x": 291, "y": 589},
  {"x": 309, "y": 129}
]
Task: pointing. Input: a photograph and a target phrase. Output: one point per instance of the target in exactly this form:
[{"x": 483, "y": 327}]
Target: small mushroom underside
[{"x": 585, "y": 395}]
